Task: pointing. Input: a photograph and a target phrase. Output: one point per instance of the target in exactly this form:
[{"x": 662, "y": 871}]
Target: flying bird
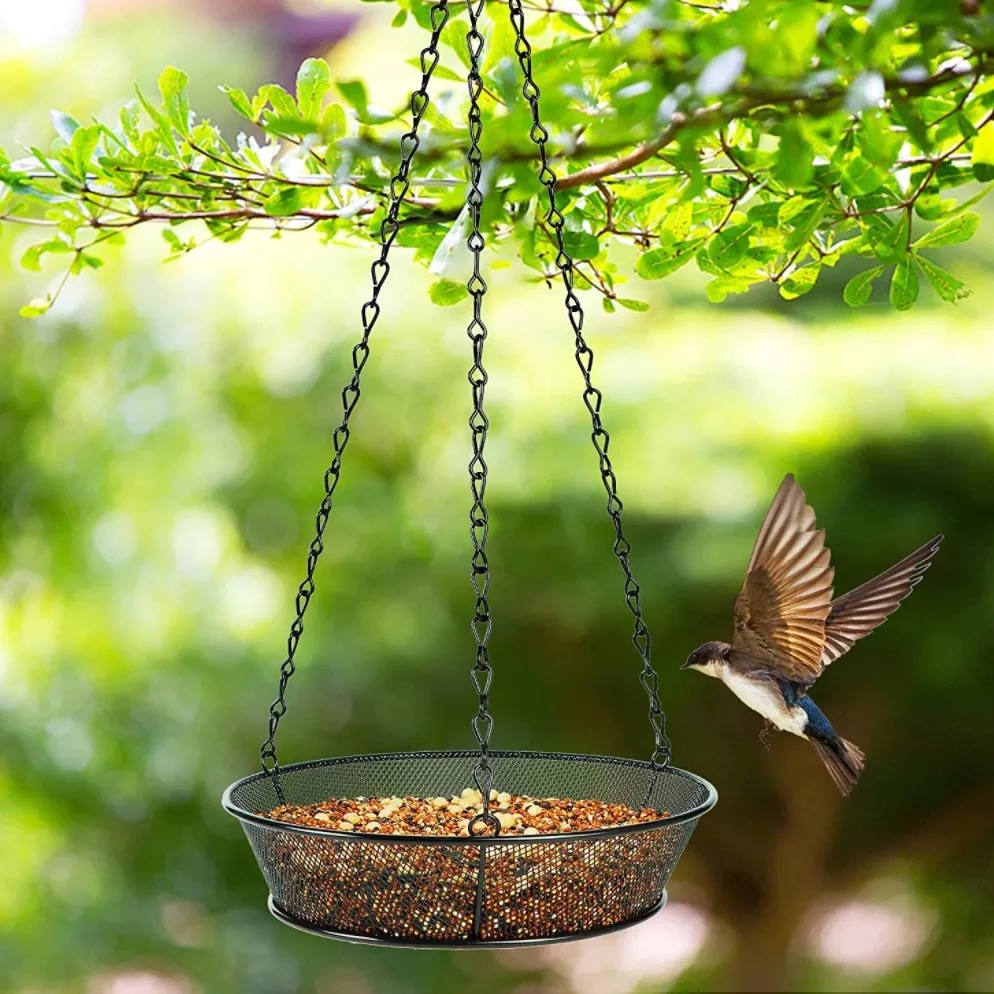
[{"x": 788, "y": 627}]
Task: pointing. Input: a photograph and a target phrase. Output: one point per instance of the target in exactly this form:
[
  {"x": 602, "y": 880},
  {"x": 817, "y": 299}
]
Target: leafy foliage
[{"x": 763, "y": 141}]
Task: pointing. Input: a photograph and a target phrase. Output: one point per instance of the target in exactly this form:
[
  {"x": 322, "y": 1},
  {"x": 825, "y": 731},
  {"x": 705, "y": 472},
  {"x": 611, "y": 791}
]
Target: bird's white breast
[{"x": 759, "y": 696}]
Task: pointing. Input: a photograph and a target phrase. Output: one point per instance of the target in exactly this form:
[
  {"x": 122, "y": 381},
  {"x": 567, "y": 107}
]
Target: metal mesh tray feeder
[
  {"x": 448, "y": 891},
  {"x": 486, "y": 888}
]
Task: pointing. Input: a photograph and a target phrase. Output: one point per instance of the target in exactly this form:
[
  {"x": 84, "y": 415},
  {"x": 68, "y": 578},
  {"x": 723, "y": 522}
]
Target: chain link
[
  {"x": 592, "y": 397},
  {"x": 482, "y": 623},
  {"x": 380, "y": 269}
]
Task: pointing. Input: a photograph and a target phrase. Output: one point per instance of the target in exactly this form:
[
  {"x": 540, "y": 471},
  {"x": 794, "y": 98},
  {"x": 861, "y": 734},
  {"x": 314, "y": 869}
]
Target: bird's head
[{"x": 706, "y": 658}]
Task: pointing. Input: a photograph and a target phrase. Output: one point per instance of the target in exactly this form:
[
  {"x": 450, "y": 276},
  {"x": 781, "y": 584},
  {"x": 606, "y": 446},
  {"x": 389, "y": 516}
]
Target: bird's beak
[{"x": 685, "y": 665}]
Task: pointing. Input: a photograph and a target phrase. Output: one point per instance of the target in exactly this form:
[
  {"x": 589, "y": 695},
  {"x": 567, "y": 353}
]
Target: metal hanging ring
[{"x": 486, "y": 819}]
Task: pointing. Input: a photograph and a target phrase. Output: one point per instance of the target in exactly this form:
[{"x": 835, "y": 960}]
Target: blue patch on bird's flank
[
  {"x": 788, "y": 689},
  {"x": 818, "y": 726}
]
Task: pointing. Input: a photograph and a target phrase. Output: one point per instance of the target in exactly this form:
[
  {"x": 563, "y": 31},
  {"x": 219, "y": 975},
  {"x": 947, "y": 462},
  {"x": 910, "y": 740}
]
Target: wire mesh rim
[{"x": 253, "y": 817}]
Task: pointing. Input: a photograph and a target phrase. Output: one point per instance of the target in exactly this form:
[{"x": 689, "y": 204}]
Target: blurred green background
[{"x": 162, "y": 438}]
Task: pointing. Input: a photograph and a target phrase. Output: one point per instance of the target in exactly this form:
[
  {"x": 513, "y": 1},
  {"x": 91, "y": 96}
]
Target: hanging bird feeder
[{"x": 490, "y": 884}]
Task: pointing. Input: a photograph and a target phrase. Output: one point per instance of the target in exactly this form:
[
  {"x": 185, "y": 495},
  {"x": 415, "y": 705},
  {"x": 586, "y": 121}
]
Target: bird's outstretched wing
[
  {"x": 856, "y": 614},
  {"x": 787, "y": 595}
]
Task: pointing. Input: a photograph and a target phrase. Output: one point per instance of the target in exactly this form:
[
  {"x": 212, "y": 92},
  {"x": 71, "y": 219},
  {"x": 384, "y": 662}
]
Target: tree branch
[{"x": 792, "y": 102}]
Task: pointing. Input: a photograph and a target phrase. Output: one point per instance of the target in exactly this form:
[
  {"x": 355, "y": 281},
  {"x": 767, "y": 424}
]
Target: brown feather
[
  {"x": 780, "y": 613},
  {"x": 855, "y": 614},
  {"x": 844, "y": 763}
]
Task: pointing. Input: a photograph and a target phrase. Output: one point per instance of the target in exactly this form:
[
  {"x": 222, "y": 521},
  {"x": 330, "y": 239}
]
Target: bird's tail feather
[{"x": 843, "y": 760}]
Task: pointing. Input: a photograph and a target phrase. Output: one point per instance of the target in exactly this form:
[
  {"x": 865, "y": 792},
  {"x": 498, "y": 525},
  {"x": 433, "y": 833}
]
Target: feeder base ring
[{"x": 367, "y": 940}]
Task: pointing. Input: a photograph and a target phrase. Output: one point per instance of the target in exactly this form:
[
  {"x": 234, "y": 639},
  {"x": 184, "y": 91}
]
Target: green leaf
[
  {"x": 173, "y": 240},
  {"x": 951, "y": 174},
  {"x": 129, "y": 117},
  {"x": 892, "y": 244},
  {"x": 957, "y": 229},
  {"x": 796, "y": 36},
  {"x": 728, "y": 186},
  {"x": 113, "y": 141},
  {"x": 982, "y": 158},
  {"x": 800, "y": 282},
  {"x": 83, "y": 145},
  {"x": 720, "y": 287},
  {"x": 804, "y": 223},
  {"x": 879, "y": 141},
  {"x": 172, "y": 87},
  {"x": 966, "y": 128},
  {"x": 279, "y": 100},
  {"x": 660, "y": 262},
  {"x": 765, "y": 215},
  {"x": 334, "y": 123},
  {"x": 794, "y": 163},
  {"x": 313, "y": 82},
  {"x": 581, "y": 245},
  {"x": 445, "y": 293},
  {"x": 929, "y": 206},
  {"x": 860, "y": 287},
  {"x": 65, "y": 125},
  {"x": 290, "y": 127},
  {"x": 160, "y": 120},
  {"x": 907, "y": 113},
  {"x": 283, "y": 203},
  {"x": 83, "y": 260},
  {"x": 37, "y": 307},
  {"x": 792, "y": 208},
  {"x": 631, "y": 304},
  {"x": 355, "y": 94},
  {"x": 678, "y": 218},
  {"x": 945, "y": 284},
  {"x": 904, "y": 285},
  {"x": 860, "y": 176},
  {"x": 31, "y": 260},
  {"x": 729, "y": 247},
  {"x": 239, "y": 100}
]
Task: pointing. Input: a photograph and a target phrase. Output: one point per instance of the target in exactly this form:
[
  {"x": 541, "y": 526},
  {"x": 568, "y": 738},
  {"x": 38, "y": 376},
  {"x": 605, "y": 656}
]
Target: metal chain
[
  {"x": 482, "y": 623},
  {"x": 380, "y": 269},
  {"x": 592, "y": 397}
]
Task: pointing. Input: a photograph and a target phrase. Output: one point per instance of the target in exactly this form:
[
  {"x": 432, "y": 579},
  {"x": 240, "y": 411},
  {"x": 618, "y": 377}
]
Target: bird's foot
[{"x": 766, "y": 735}]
